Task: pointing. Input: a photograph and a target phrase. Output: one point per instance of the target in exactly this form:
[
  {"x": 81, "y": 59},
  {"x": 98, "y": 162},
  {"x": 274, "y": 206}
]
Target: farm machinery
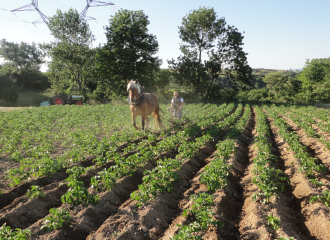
[{"x": 61, "y": 99}]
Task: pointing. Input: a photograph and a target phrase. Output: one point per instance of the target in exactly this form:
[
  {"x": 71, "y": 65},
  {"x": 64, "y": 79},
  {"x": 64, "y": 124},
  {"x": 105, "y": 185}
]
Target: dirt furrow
[
  {"x": 288, "y": 206},
  {"x": 11, "y": 193},
  {"x": 313, "y": 220},
  {"x": 46, "y": 182},
  {"x": 227, "y": 202},
  {"x": 252, "y": 224},
  {"x": 151, "y": 220},
  {"x": 89, "y": 219},
  {"x": 254, "y": 219},
  {"x": 315, "y": 147}
]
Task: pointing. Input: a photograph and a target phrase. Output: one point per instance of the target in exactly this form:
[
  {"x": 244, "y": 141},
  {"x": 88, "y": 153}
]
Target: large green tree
[
  {"x": 22, "y": 55},
  {"x": 315, "y": 79},
  {"x": 72, "y": 57},
  {"x": 205, "y": 36},
  {"x": 282, "y": 86},
  {"x": 129, "y": 52},
  {"x": 22, "y": 64},
  {"x": 8, "y": 90}
]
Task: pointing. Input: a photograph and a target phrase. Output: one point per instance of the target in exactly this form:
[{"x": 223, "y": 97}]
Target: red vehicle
[{"x": 61, "y": 99}]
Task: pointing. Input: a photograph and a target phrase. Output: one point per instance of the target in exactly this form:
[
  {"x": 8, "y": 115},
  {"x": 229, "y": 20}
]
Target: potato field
[{"x": 229, "y": 171}]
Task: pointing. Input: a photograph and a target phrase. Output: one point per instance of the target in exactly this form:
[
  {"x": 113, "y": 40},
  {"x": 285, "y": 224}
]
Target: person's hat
[{"x": 175, "y": 93}]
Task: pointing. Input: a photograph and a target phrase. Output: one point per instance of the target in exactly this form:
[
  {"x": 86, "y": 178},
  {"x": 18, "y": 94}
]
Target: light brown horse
[{"x": 142, "y": 104}]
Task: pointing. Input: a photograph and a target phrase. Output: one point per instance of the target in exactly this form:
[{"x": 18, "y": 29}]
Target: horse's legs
[
  {"x": 147, "y": 121},
  {"x": 133, "y": 121},
  {"x": 142, "y": 120}
]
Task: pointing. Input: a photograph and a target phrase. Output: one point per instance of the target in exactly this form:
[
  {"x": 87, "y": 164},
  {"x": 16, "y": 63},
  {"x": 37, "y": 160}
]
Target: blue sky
[{"x": 278, "y": 34}]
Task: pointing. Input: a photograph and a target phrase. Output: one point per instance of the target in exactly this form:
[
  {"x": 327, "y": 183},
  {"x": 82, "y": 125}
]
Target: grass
[{"x": 27, "y": 98}]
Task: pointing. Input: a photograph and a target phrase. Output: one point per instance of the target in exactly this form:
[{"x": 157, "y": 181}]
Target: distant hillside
[
  {"x": 258, "y": 74},
  {"x": 264, "y": 71}
]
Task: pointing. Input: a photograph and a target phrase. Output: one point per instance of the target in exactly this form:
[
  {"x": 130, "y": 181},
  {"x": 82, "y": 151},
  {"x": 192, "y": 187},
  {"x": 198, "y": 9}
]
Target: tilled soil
[
  {"x": 117, "y": 216},
  {"x": 314, "y": 219}
]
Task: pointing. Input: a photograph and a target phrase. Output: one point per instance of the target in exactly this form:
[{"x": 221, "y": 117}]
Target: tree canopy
[
  {"x": 129, "y": 51},
  {"x": 204, "y": 35},
  {"x": 315, "y": 79},
  {"x": 22, "y": 64},
  {"x": 71, "y": 68},
  {"x": 22, "y": 55}
]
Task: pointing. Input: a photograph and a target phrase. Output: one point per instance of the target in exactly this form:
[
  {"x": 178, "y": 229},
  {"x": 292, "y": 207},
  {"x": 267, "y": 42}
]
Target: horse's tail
[
  {"x": 160, "y": 124},
  {"x": 157, "y": 111}
]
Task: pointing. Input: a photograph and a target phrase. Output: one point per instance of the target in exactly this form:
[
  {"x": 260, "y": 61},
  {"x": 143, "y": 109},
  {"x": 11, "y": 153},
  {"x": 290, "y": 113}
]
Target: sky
[{"x": 280, "y": 34}]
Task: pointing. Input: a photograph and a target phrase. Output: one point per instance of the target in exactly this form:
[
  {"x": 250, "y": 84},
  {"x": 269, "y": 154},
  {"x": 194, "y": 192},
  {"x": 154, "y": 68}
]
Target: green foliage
[
  {"x": 215, "y": 175},
  {"x": 203, "y": 215},
  {"x": 78, "y": 194},
  {"x": 282, "y": 86},
  {"x": 128, "y": 54},
  {"x": 76, "y": 171},
  {"x": 315, "y": 79},
  {"x": 22, "y": 65},
  {"x": 186, "y": 231},
  {"x": 6, "y": 233},
  {"x": 8, "y": 90},
  {"x": 158, "y": 179},
  {"x": 201, "y": 209},
  {"x": 253, "y": 95},
  {"x": 324, "y": 198},
  {"x": 269, "y": 180},
  {"x": 201, "y": 31},
  {"x": 72, "y": 67},
  {"x": 22, "y": 55},
  {"x": 308, "y": 164},
  {"x": 284, "y": 238},
  {"x": 273, "y": 221},
  {"x": 164, "y": 82},
  {"x": 316, "y": 182},
  {"x": 33, "y": 132},
  {"x": 35, "y": 192},
  {"x": 56, "y": 219}
]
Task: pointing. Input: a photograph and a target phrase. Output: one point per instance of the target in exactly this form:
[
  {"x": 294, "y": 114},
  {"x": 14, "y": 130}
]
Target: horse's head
[{"x": 133, "y": 89}]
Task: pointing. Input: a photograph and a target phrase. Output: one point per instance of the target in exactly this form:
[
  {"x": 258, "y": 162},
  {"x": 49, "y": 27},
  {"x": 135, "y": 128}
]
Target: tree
[
  {"x": 72, "y": 65},
  {"x": 282, "y": 85},
  {"x": 22, "y": 55},
  {"x": 129, "y": 51},
  {"x": 275, "y": 82},
  {"x": 8, "y": 91},
  {"x": 315, "y": 79},
  {"x": 202, "y": 31},
  {"x": 22, "y": 64}
]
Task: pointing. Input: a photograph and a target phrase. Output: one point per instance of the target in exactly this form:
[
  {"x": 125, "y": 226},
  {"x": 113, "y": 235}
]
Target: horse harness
[
  {"x": 138, "y": 101},
  {"x": 141, "y": 99}
]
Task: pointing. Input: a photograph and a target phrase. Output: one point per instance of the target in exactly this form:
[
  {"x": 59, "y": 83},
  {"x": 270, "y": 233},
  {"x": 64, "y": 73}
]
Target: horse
[{"x": 142, "y": 104}]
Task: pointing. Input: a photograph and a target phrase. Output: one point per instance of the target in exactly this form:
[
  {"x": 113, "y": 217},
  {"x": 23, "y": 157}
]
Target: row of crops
[{"x": 227, "y": 171}]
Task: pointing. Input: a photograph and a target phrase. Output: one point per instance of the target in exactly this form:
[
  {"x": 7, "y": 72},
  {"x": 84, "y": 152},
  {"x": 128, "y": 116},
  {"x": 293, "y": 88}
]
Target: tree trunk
[
  {"x": 79, "y": 80},
  {"x": 198, "y": 71},
  {"x": 209, "y": 88}
]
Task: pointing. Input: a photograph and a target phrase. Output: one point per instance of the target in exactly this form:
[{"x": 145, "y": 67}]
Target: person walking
[{"x": 177, "y": 105}]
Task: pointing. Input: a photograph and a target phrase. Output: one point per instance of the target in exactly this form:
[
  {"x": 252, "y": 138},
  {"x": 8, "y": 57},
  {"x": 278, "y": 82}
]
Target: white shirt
[{"x": 181, "y": 100}]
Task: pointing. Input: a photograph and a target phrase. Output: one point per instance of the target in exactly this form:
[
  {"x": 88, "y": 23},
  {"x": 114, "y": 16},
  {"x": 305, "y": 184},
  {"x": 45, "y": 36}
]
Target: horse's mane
[{"x": 134, "y": 85}]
